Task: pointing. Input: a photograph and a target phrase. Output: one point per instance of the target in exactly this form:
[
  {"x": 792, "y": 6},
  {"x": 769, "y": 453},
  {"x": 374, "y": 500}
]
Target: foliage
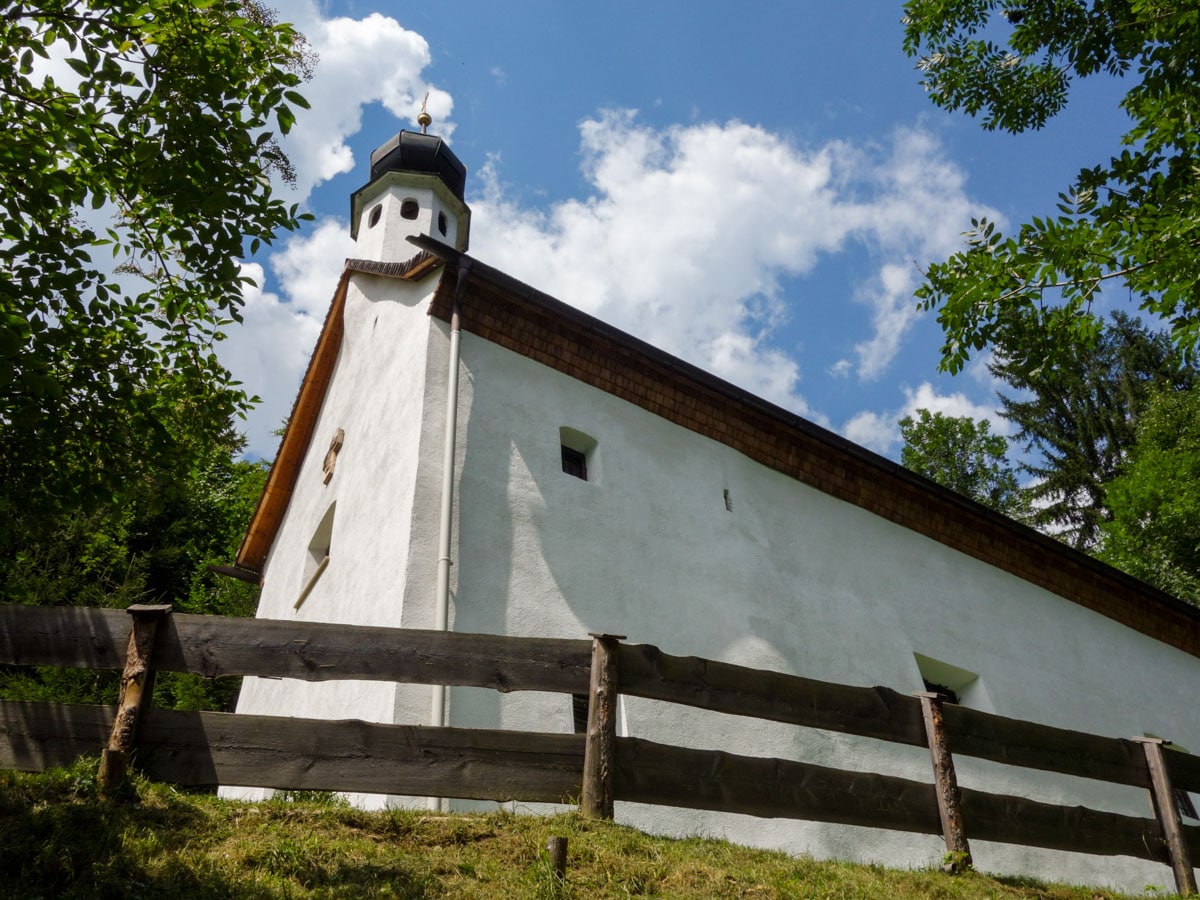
[
  {"x": 136, "y": 159},
  {"x": 1080, "y": 418},
  {"x": 963, "y": 455},
  {"x": 1132, "y": 223},
  {"x": 150, "y": 550},
  {"x": 1154, "y": 533},
  {"x": 63, "y": 840}
]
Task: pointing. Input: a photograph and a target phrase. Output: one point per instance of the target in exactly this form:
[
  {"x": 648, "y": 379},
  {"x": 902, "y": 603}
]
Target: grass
[{"x": 62, "y": 839}]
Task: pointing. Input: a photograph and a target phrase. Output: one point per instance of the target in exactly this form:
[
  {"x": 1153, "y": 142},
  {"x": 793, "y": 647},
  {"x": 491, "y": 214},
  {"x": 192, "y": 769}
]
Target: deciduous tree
[
  {"x": 1129, "y": 224},
  {"x": 151, "y": 549},
  {"x": 1154, "y": 531},
  {"x": 136, "y": 166},
  {"x": 962, "y": 454}
]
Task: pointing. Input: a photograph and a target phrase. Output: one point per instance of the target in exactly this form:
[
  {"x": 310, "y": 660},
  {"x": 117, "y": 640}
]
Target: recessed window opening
[
  {"x": 579, "y": 712},
  {"x": 442, "y": 223},
  {"x": 952, "y": 684},
  {"x": 728, "y": 500},
  {"x": 409, "y": 209},
  {"x": 574, "y": 462},
  {"x": 578, "y": 453},
  {"x": 1184, "y": 801},
  {"x": 317, "y": 559},
  {"x": 947, "y": 694},
  {"x": 375, "y": 214}
]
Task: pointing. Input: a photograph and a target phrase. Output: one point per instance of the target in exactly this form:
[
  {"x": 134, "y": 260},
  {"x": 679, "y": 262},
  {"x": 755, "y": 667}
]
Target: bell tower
[{"x": 416, "y": 187}]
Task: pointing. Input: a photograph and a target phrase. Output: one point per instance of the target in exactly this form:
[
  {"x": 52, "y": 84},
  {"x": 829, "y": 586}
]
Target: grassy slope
[{"x": 60, "y": 839}]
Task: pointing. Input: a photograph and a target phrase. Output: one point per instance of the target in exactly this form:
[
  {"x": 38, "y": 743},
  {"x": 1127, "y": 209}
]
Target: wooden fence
[{"x": 597, "y": 768}]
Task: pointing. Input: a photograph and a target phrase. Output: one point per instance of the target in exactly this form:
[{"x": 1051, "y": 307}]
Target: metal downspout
[{"x": 437, "y": 714}]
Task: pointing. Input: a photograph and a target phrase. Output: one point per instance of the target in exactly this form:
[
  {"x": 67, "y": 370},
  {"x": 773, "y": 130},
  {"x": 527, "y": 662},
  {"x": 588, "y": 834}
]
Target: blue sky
[{"x": 752, "y": 188}]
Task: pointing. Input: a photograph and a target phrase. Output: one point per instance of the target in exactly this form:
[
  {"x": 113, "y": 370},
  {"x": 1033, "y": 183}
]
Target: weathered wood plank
[
  {"x": 305, "y": 754},
  {"x": 39, "y": 736},
  {"x": 1033, "y": 746},
  {"x": 775, "y": 788},
  {"x": 350, "y": 755},
  {"x": 68, "y": 636},
  {"x": 878, "y": 712},
  {"x": 214, "y": 646},
  {"x": 648, "y": 772},
  {"x": 1030, "y": 823}
]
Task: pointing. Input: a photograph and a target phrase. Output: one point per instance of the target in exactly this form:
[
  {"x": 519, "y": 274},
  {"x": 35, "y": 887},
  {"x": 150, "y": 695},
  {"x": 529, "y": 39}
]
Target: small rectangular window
[
  {"x": 579, "y": 712},
  {"x": 1186, "y": 807},
  {"x": 574, "y": 462}
]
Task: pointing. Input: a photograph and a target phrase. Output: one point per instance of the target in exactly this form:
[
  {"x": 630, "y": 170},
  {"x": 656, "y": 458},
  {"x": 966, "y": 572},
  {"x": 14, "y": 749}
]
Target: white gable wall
[{"x": 790, "y": 579}]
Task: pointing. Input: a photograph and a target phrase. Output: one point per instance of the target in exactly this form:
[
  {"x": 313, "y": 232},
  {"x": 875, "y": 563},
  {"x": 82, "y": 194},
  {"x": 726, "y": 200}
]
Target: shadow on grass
[{"x": 62, "y": 839}]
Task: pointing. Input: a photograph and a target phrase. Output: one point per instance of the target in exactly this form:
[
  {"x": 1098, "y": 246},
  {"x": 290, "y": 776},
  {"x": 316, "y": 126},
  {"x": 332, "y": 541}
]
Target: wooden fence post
[
  {"x": 1166, "y": 810},
  {"x": 137, "y": 688},
  {"x": 958, "y": 851},
  {"x": 599, "y": 755},
  {"x": 556, "y": 849}
]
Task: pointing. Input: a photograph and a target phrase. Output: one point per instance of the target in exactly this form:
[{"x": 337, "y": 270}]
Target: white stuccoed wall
[
  {"x": 376, "y": 396},
  {"x": 790, "y": 579}
]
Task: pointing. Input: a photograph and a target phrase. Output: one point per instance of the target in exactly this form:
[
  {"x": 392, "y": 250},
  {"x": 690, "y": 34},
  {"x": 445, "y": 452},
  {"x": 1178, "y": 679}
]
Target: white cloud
[
  {"x": 956, "y": 404},
  {"x": 270, "y": 349},
  {"x": 689, "y": 233},
  {"x": 361, "y": 61},
  {"x": 308, "y": 267},
  {"x": 918, "y": 210},
  {"x": 873, "y": 430},
  {"x": 880, "y": 431}
]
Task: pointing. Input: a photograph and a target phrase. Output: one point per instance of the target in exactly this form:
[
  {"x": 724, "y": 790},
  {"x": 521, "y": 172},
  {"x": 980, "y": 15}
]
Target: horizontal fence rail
[
  {"x": 877, "y": 712},
  {"x": 594, "y": 769},
  {"x": 215, "y": 646},
  {"x": 207, "y": 748}
]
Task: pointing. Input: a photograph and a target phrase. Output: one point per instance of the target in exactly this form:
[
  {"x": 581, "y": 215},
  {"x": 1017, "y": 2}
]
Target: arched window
[{"x": 409, "y": 208}]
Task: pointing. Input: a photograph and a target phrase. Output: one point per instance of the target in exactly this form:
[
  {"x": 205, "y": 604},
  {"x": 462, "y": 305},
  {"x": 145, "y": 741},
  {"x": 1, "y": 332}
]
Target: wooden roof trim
[
  {"x": 413, "y": 269},
  {"x": 297, "y": 435}
]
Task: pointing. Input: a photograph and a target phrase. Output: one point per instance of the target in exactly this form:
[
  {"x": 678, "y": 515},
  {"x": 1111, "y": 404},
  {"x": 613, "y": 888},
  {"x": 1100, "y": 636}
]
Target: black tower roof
[{"x": 412, "y": 152}]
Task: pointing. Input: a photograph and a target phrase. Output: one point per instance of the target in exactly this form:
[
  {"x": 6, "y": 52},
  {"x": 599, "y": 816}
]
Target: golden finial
[{"x": 424, "y": 119}]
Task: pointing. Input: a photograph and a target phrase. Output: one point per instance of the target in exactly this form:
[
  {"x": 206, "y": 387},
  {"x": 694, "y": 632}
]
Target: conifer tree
[{"x": 1078, "y": 417}]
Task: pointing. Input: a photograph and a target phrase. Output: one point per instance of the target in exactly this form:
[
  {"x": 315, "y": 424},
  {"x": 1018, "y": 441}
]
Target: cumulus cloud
[
  {"x": 880, "y": 431},
  {"x": 690, "y": 232},
  {"x": 269, "y": 351},
  {"x": 361, "y": 61}
]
